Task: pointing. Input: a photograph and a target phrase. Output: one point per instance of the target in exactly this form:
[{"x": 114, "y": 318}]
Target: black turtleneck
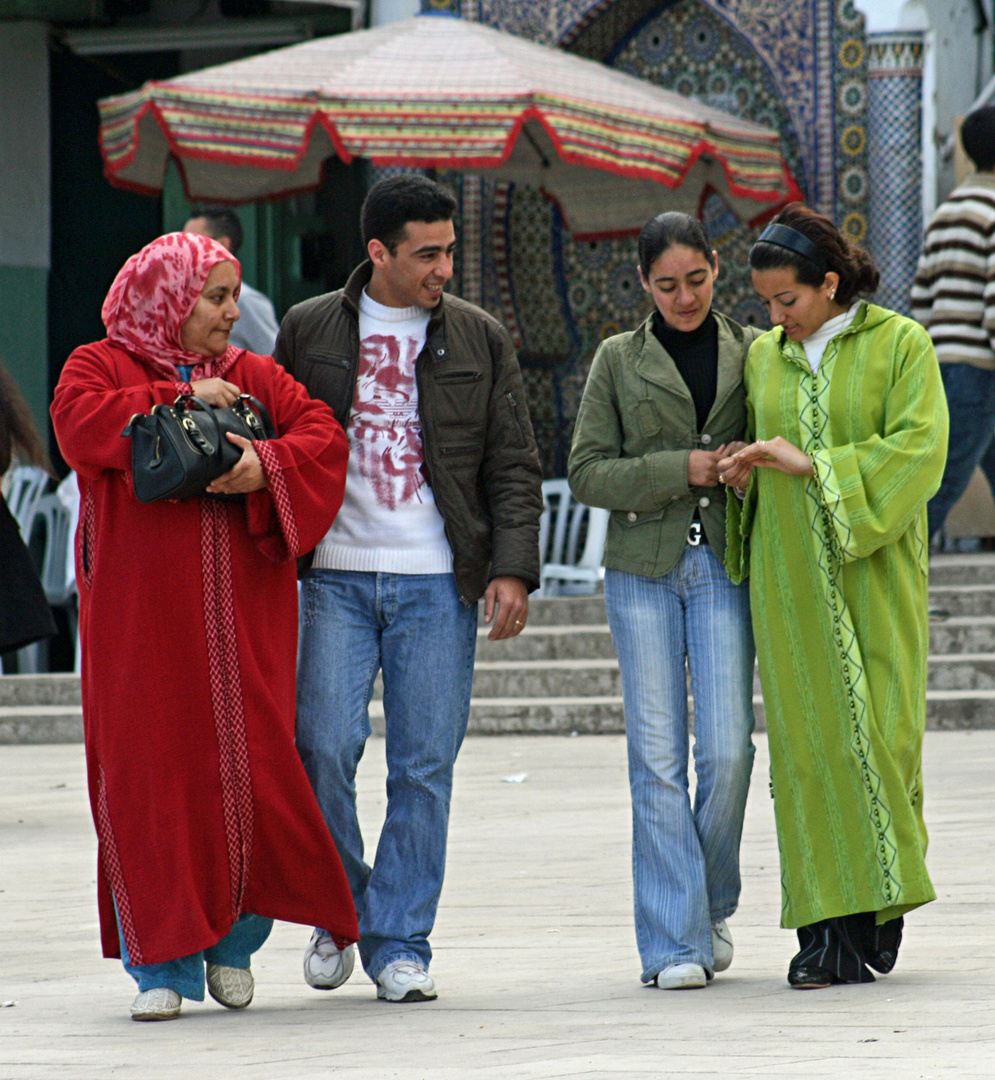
[{"x": 696, "y": 354}]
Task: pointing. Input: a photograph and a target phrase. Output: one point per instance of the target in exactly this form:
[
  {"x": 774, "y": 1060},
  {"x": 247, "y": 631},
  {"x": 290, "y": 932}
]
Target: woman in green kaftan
[{"x": 849, "y": 422}]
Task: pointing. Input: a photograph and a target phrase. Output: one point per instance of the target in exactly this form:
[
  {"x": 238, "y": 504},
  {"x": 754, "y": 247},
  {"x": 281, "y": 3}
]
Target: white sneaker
[
  {"x": 721, "y": 946},
  {"x": 405, "y": 980},
  {"x": 325, "y": 965},
  {"x": 158, "y": 1004},
  {"x": 229, "y": 986},
  {"x": 682, "y": 977}
]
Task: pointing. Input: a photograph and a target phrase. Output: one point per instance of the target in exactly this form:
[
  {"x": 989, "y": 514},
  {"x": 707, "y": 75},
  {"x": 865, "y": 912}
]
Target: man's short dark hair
[
  {"x": 222, "y": 221},
  {"x": 977, "y": 134},
  {"x": 394, "y": 201}
]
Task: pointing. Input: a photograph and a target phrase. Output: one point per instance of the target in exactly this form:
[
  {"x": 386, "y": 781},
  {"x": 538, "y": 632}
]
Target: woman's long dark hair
[
  {"x": 18, "y": 435},
  {"x": 857, "y": 272}
]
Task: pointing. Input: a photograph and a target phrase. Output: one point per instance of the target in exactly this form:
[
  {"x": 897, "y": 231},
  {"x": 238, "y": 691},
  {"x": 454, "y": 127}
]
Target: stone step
[
  {"x": 959, "y": 634},
  {"x": 978, "y": 569},
  {"x": 958, "y": 600},
  {"x": 595, "y": 714},
  {"x": 564, "y": 610},
  {"x": 597, "y": 678},
  {"x": 35, "y": 724},
  {"x": 550, "y": 643},
  {"x": 962, "y": 634},
  {"x": 57, "y": 688}
]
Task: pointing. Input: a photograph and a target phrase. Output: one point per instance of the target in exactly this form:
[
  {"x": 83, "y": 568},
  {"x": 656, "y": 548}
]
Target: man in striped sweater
[{"x": 953, "y": 296}]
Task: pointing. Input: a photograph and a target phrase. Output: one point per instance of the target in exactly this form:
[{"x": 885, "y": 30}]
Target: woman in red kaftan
[{"x": 188, "y": 620}]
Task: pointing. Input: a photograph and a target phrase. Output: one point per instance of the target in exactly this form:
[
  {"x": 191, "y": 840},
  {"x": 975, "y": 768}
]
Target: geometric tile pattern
[
  {"x": 895, "y": 89},
  {"x": 800, "y": 68}
]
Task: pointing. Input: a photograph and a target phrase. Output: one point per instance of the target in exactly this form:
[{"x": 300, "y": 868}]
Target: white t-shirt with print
[{"x": 389, "y": 521}]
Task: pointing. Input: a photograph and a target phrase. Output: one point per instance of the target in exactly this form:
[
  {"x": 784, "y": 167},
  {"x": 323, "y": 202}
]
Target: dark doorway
[{"x": 95, "y": 227}]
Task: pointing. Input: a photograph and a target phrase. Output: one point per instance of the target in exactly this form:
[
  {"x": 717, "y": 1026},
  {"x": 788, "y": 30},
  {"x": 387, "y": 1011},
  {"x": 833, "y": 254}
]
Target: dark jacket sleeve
[{"x": 510, "y": 471}]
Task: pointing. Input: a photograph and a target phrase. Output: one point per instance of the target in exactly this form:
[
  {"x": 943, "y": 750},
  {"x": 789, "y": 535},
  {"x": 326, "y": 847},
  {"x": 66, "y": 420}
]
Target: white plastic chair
[
  {"x": 567, "y": 571},
  {"x": 24, "y": 486},
  {"x": 68, "y": 494},
  {"x": 55, "y": 520}
]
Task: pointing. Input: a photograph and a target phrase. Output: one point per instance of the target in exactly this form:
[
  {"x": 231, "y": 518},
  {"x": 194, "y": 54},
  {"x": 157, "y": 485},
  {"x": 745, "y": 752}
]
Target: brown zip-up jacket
[{"x": 480, "y": 453}]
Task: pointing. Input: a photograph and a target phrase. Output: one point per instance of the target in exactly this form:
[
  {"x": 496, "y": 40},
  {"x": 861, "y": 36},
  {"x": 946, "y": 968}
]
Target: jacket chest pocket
[
  {"x": 460, "y": 397},
  {"x": 648, "y": 417},
  {"x": 328, "y": 376}
]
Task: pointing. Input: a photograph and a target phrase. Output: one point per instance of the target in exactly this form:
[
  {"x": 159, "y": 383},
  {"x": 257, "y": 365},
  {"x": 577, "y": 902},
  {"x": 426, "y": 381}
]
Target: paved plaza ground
[{"x": 534, "y": 948}]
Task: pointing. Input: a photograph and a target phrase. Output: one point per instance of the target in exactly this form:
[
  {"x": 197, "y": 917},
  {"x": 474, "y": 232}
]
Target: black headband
[{"x": 786, "y": 237}]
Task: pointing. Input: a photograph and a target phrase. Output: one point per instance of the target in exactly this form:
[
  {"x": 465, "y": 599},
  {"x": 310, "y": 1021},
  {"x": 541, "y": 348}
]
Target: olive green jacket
[{"x": 635, "y": 431}]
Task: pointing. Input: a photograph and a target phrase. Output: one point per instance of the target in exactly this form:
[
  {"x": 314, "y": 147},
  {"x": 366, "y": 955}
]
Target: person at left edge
[
  {"x": 207, "y": 827},
  {"x": 442, "y": 507}
]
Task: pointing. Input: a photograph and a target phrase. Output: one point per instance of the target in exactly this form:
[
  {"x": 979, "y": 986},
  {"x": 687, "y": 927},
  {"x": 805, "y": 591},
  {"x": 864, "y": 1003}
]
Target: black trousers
[{"x": 846, "y": 945}]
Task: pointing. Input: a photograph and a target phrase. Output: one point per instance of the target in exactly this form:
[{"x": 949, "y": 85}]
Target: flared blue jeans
[{"x": 685, "y": 858}]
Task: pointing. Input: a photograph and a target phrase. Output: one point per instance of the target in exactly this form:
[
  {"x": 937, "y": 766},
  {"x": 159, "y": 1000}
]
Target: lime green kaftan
[{"x": 837, "y": 566}]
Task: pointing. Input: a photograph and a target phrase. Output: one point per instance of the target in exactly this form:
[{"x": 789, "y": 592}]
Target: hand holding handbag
[{"x": 176, "y": 450}]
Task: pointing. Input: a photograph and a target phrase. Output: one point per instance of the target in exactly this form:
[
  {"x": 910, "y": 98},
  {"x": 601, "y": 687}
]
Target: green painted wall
[
  {"x": 70, "y": 10},
  {"x": 24, "y": 335}
]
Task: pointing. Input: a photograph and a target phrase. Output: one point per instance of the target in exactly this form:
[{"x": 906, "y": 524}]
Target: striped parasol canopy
[{"x": 444, "y": 93}]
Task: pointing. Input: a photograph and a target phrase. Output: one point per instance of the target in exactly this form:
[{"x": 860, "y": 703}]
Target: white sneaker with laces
[
  {"x": 682, "y": 977},
  {"x": 325, "y": 965},
  {"x": 405, "y": 980},
  {"x": 721, "y": 946},
  {"x": 158, "y": 1004},
  {"x": 230, "y": 986}
]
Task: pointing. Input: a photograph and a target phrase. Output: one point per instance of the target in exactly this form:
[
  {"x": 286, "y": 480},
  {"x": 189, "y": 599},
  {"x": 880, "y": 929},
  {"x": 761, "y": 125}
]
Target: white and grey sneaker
[
  {"x": 325, "y": 965},
  {"x": 158, "y": 1004},
  {"x": 230, "y": 986},
  {"x": 682, "y": 977},
  {"x": 721, "y": 946},
  {"x": 405, "y": 980}
]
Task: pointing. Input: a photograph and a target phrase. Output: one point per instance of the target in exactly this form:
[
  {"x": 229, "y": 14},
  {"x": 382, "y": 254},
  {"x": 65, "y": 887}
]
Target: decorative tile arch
[{"x": 804, "y": 71}]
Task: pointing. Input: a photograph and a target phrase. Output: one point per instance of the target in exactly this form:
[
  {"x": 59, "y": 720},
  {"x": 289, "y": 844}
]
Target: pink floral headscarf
[{"x": 155, "y": 292}]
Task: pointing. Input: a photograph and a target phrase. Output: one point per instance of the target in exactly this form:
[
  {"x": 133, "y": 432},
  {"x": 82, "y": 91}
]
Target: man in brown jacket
[{"x": 441, "y": 508}]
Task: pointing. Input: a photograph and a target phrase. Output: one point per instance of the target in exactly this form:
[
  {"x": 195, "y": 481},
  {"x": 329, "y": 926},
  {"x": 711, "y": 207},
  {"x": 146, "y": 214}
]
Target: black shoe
[
  {"x": 810, "y": 978},
  {"x": 883, "y": 961}
]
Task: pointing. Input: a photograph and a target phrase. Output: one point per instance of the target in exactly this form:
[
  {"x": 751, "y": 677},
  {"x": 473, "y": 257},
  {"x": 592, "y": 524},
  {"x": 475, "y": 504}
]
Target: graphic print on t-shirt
[{"x": 385, "y": 428}]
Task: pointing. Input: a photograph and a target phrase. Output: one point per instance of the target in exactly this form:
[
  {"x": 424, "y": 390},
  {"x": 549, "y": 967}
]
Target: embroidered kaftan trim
[
  {"x": 87, "y": 537},
  {"x": 226, "y": 694},
  {"x": 831, "y": 535},
  {"x": 281, "y": 497},
  {"x": 114, "y": 873}
]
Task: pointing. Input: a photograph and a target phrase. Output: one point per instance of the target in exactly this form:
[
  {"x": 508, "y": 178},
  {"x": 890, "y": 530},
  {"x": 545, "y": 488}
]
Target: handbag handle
[
  {"x": 192, "y": 430},
  {"x": 269, "y": 431}
]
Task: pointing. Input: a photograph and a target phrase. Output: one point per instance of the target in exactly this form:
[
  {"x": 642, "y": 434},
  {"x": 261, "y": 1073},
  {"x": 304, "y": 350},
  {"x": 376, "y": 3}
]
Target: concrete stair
[{"x": 560, "y": 674}]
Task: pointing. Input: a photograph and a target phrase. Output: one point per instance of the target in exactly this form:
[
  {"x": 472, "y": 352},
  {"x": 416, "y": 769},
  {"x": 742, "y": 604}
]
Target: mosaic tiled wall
[
  {"x": 895, "y": 83},
  {"x": 800, "y": 68}
]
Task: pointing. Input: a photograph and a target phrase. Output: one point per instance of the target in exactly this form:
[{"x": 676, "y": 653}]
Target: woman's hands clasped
[
  {"x": 777, "y": 453},
  {"x": 703, "y": 465},
  {"x": 216, "y": 392},
  {"x": 246, "y": 475}
]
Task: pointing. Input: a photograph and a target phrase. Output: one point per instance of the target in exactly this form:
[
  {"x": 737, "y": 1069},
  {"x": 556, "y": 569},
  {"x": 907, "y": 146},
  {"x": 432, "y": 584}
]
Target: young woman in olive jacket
[{"x": 661, "y": 406}]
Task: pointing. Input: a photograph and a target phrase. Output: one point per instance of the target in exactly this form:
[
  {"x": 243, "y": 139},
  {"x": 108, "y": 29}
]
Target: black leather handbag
[{"x": 178, "y": 449}]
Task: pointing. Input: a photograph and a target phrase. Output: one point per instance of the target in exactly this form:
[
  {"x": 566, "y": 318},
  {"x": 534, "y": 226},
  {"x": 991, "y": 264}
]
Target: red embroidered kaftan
[{"x": 188, "y": 616}]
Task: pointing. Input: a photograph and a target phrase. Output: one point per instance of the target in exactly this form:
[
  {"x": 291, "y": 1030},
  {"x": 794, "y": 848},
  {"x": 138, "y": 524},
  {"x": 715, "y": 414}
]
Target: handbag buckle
[{"x": 194, "y": 434}]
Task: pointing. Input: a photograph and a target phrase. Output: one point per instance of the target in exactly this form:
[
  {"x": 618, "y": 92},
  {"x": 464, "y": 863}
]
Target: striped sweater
[{"x": 953, "y": 294}]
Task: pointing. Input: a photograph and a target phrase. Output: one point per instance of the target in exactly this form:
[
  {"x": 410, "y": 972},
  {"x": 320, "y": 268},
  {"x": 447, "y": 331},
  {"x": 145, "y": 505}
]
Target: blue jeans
[
  {"x": 186, "y": 975},
  {"x": 414, "y": 628},
  {"x": 971, "y": 400},
  {"x": 685, "y": 861}
]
